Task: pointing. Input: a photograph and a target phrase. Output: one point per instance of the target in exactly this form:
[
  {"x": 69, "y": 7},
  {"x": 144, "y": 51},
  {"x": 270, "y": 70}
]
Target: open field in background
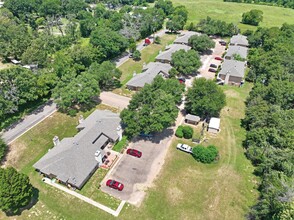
[{"x": 232, "y": 12}]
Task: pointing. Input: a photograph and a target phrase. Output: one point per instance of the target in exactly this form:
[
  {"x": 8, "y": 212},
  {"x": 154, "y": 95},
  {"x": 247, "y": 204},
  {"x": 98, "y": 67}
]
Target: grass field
[
  {"x": 232, "y": 12},
  {"x": 185, "y": 188}
]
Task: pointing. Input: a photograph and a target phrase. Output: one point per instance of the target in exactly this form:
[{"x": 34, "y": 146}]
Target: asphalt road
[{"x": 29, "y": 121}]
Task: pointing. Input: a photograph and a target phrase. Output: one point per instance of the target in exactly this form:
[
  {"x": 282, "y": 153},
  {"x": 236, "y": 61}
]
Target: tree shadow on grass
[{"x": 31, "y": 204}]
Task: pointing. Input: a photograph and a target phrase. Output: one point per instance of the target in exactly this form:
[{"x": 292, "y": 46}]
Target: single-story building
[
  {"x": 16, "y": 62},
  {"x": 192, "y": 119},
  {"x": 72, "y": 161},
  {"x": 236, "y": 50},
  {"x": 149, "y": 72},
  {"x": 166, "y": 56},
  {"x": 232, "y": 72},
  {"x": 239, "y": 40},
  {"x": 214, "y": 125},
  {"x": 184, "y": 37}
]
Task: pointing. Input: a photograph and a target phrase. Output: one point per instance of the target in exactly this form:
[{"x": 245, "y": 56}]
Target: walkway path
[
  {"x": 114, "y": 100},
  {"x": 86, "y": 199}
]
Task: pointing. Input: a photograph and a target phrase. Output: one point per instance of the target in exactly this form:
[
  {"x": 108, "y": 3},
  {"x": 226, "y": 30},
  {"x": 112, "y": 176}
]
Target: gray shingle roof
[
  {"x": 184, "y": 37},
  {"x": 239, "y": 40},
  {"x": 192, "y": 118},
  {"x": 73, "y": 159},
  {"x": 167, "y": 54},
  {"x": 242, "y": 51},
  {"x": 233, "y": 67},
  {"x": 150, "y": 72}
]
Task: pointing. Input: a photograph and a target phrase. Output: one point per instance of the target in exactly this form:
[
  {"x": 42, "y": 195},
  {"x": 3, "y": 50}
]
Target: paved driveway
[
  {"x": 137, "y": 173},
  {"x": 114, "y": 100}
]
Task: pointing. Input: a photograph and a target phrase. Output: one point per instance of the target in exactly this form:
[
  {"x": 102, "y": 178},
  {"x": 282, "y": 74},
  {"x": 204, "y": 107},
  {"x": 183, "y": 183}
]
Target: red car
[
  {"x": 115, "y": 185},
  {"x": 218, "y": 58},
  {"x": 134, "y": 153}
]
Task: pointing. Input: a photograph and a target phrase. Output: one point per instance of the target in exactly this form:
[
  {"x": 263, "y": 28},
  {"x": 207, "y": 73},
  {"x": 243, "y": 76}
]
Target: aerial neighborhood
[{"x": 146, "y": 109}]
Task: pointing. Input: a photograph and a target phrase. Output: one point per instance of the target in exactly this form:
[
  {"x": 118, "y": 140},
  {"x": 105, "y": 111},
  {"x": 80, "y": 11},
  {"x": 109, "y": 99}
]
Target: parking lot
[{"x": 137, "y": 174}]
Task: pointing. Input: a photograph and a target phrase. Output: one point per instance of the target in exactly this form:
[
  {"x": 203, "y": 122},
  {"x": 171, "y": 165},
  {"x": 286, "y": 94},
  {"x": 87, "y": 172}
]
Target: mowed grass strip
[
  {"x": 232, "y": 12},
  {"x": 187, "y": 189},
  {"x": 148, "y": 55}
]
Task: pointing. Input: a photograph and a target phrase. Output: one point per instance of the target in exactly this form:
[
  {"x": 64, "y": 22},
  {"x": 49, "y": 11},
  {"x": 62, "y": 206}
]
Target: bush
[
  {"x": 157, "y": 40},
  {"x": 205, "y": 154},
  {"x": 179, "y": 132},
  {"x": 136, "y": 55},
  {"x": 3, "y": 148},
  {"x": 187, "y": 132}
]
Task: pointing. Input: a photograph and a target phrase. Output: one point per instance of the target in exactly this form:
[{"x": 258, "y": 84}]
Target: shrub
[
  {"x": 157, "y": 40},
  {"x": 136, "y": 55},
  {"x": 179, "y": 132},
  {"x": 205, "y": 154},
  {"x": 3, "y": 148},
  {"x": 187, "y": 132}
]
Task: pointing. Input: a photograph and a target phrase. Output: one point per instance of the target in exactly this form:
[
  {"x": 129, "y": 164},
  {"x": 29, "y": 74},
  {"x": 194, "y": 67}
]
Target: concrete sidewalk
[{"x": 86, "y": 199}]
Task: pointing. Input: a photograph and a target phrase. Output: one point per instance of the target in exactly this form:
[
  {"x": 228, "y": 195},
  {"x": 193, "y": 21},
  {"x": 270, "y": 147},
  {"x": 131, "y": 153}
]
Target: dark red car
[
  {"x": 134, "y": 153},
  {"x": 115, "y": 185},
  {"x": 218, "y": 58}
]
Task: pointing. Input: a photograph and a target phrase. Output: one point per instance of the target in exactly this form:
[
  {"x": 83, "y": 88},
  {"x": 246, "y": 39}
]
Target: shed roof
[
  {"x": 239, "y": 40},
  {"x": 183, "y": 38},
  {"x": 214, "y": 123},
  {"x": 192, "y": 118},
  {"x": 242, "y": 51},
  {"x": 233, "y": 67},
  {"x": 73, "y": 159},
  {"x": 167, "y": 54},
  {"x": 149, "y": 73}
]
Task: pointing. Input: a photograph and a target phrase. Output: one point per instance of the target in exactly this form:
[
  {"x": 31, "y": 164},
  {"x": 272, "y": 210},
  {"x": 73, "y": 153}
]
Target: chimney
[
  {"x": 119, "y": 132},
  {"x": 144, "y": 65},
  {"x": 81, "y": 119},
  {"x": 56, "y": 141},
  {"x": 134, "y": 74}
]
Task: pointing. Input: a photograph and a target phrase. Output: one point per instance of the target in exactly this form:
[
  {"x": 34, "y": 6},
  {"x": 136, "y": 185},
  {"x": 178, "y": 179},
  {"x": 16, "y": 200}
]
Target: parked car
[
  {"x": 213, "y": 65},
  {"x": 134, "y": 153},
  {"x": 115, "y": 184},
  {"x": 212, "y": 70},
  {"x": 223, "y": 43},
  {"x": 184, "y": 147},
  {"x": 182, "y": 79},
  {"x": 131, "y": 55},
  {"x": 218, "y": 58}
]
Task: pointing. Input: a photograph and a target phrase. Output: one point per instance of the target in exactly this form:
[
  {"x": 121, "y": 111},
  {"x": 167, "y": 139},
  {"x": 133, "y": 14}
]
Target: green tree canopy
[
  {"x": 15, "y": 190},
  {"x": 205, "y": 98},
  {"x": 253, "y": 17},
  {"x": 205, "y": 154},
  {"x": 3, "y": 148},
  {"x": 151, "y": 110},
  {"x": 79, "y": 90},
  {"x": 186, "y": 63},
  {"x": 110, "y": 42},
  {"x": 106, "y": 74},
  {"x": 176, "y": 23},
  {"x": 201, "y": 43}
]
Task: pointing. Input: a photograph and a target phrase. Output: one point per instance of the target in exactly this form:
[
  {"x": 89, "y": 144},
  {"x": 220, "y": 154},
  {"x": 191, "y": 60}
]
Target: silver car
[{"x": 185, "y": 147}]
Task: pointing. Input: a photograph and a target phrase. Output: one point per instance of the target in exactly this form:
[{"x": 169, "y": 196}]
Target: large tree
[
  {"x": 252, "y": 17},
  {"x": 205, "y": 98},
  {"x": 186, "y": 62},
  {"x": 106, "y": 74},
  {"x": 110, "y": 42},
  {"x": 176, "y": 23},
  {"x": 201, "y": 43},
  {"x": 74, "y": 91},
  {"x": 3, "y": 148},
  {"x": 150, "y": 110},
  {"x": 15, "y": 190}
]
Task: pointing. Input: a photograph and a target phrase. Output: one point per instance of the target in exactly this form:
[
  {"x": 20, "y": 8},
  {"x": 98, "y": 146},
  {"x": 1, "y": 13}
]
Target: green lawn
[{"x": 232, "y": 12}]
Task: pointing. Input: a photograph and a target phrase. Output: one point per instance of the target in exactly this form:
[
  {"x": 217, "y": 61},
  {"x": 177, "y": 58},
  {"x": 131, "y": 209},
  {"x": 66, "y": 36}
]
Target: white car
[{"x": 185, "y": 147}]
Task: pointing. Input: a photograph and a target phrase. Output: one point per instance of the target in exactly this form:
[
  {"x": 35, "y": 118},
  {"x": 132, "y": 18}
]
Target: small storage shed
[
  {"x": 214, "y": 125},
  {"x": 192, "y": 119}
]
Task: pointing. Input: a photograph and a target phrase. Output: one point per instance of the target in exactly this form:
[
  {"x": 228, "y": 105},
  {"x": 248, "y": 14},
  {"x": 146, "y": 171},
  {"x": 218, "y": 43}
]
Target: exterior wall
[
  {"x": 235, "y": 79},
  {"x": 191, "y": 122},
  {"x": 222, "y": 76},
  {"x": 212, "y": 130},
  {"x": 133, "y": 88},
  {"x": 162, "y": 61}
]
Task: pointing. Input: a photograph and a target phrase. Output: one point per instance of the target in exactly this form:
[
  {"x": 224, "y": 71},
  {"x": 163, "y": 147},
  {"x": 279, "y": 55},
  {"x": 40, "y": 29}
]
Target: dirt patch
[
  {"x": 232, "y": 93},
  {"x": 14, "y": 152},
  {"x": 174, "y": 195}
]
